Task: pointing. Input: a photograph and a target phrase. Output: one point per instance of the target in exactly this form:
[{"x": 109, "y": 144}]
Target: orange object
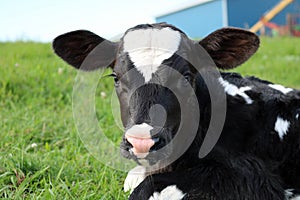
[{"x": 272, "y": 13}]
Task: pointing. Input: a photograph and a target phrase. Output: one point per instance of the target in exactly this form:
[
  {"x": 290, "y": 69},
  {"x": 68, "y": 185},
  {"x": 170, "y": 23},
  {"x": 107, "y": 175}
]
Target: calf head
[{"x": 151, "y": 70}]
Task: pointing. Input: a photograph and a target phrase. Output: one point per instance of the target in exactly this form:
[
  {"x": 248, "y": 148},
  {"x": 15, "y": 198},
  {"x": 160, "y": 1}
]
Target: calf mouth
[{"x": 146, "y": 150}]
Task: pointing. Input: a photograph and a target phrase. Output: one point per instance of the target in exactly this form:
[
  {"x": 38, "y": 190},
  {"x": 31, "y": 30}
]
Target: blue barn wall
[
  {"x": 245, "y": 13},
  {"x": 201, "y": 19},
  {"x": 196, "y": 21}
]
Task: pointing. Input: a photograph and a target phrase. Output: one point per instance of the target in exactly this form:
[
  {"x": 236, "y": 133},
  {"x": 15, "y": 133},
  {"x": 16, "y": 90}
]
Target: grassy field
[
  {"x": 41, "y": 154},
  {"x": 277, "y": 60}
]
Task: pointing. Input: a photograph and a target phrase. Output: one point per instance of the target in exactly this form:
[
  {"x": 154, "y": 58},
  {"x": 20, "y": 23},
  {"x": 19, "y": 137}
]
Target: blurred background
[{"x": 43, "y": 20}]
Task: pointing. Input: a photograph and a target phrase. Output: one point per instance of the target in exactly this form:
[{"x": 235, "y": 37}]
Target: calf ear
[
  {"x": 85, "y": 50},
  {"x": 230, "y": 47}
]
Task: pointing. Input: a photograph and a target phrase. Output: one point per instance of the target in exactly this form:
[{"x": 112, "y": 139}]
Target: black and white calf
[{"x": 258, "y": 153}]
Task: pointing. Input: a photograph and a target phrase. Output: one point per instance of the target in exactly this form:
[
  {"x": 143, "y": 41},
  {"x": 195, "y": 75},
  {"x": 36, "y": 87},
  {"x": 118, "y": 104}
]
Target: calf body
[
  {"x": 257, "y": 155},
  {"x": 215, "y": 177},
  {"x": 268, "y": 127},
  {"x": 260, "y": 140}
]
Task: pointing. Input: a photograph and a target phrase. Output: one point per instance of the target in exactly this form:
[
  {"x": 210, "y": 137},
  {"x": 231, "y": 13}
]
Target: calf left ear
[
  {"x": 85, "y": 50},
  {"x": 230, "y": 47}
]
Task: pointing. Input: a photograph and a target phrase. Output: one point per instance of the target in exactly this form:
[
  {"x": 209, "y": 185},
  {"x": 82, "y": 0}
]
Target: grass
[
  {"x": 277, "y": 60},
  {"x": 41, "y": 154}
]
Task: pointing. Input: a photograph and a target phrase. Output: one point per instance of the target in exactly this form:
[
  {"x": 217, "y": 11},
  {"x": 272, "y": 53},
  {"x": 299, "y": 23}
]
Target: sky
[{"x": 43, "y": 20}]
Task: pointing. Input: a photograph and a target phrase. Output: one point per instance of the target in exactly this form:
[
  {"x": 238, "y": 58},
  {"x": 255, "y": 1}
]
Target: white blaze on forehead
[
  {"x": 281, "y": 88},
  {"x": 169, "y": 193},
  {"x": 281, "y": 127},
  {"x": 233, "y": 90},
  {"x": 148, "y": 48}
]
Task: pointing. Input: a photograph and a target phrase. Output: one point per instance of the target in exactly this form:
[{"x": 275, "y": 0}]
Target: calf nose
[{"x": 140, "y": 138}]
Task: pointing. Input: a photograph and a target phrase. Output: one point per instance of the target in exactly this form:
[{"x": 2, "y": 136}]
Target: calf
[{"x": 162, "y": 79}]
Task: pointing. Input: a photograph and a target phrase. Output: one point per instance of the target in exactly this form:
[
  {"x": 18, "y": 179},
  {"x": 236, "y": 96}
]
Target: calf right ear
[
  {"x": 230, "y": 47},
  {"x": 85, "y": 50}
]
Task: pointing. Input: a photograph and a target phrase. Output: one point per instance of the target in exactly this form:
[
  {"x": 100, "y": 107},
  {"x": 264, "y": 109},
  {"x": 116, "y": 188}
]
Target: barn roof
[{"x": 183, "y": 6}]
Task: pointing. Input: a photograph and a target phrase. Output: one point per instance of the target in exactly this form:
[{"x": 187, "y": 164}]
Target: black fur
[
  {"x": 218, "y": 176},
  {"x": 250, "y": 160}
]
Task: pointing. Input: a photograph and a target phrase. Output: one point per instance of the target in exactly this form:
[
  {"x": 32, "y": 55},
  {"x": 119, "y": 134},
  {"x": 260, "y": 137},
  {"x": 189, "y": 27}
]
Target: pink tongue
[{"x": 140, "y": 145}]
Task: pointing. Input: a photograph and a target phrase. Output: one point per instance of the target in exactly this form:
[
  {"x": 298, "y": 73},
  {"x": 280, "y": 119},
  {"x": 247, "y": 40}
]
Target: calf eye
[
  {"x": 187, "y": 79},
  {"x": 116, "y": 79}
]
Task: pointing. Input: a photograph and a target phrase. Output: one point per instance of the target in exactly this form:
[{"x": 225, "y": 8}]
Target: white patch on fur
[
  {"x": 296, "y": 198},
  {"x": 233, "y": 90},
  {"x": 281, "y": 88},
  {"x": 297, "y": 116},
  {"x": 169, "y": 193},
  {"x": 289, "y": 193},
  {"x": 134, "y": 178},
  {"x": 148, "y": 48},
  {"x": 281, "y": 126}
]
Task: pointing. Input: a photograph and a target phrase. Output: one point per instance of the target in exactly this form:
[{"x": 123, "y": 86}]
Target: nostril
[{"x": 128, "y": 143}]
